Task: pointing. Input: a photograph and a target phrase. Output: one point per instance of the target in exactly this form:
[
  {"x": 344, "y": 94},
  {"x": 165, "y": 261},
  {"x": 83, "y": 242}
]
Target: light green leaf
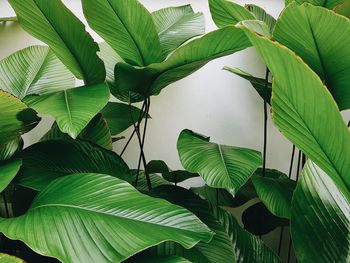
[
  {"x": 42, "y": 164},
  {"x": 110, "y": 59},
  {"x": 225, "y": 13},
  {"x": 176, "y": 25},
  {"x": 320, "y": 218},
  {"x": 220, "y": 166},
  {"x": 7, "y": 150},
  {"x": 275, "y": 193},
  {"x": 127, "y": 27},
  {"x": 325, "y": 3},
  {"x": 5, "y": 258},
  {"x": 34, "y": 70},
  {"x": 257, "y": 26},
  {"x": 53, "y": 23},
  {"x": 258, "y": 84},
  {"x": 8, "y": 171},
  {"x": 120, "y": 116},
  {"x": 156, "y": 180},
  {"x": 149, "y": 81},
  {"x": 73, "y": 108},
  {"x": 96, "y": 131},
  {"x": 261, "y": 15},
  {"x": 16, "y": 118},
  {"x": 307, "y": 30},
  {"x": 98, "y": 208}
]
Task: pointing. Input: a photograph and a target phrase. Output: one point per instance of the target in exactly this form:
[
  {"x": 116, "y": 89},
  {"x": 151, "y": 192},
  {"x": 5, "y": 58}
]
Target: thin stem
[
  {"x": 149, "y": 184},
  {"x": 289, "y": 249},
  {"x": 298, "y": 168},
  {"x": 280, "y": 241},
  {"x": 265, "y": 121},
  {"x": 5, "y": 204},
  {"x": 291, "y": 162},
  {"x": 127, "y": 143}
]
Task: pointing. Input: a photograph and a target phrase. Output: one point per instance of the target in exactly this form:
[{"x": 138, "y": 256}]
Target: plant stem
[
  {"x": 265, "y": 122},
  {"x": 5, "y": 204},
  {"x": 298, "y": 168}
]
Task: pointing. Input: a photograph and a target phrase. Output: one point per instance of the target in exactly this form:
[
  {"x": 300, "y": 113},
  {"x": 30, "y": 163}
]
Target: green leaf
[
  {"x": 247, "y": 247},
  {"x": 261, "y": 15},
  {"x": 152, "y": 259},
  {"x": 301, "y": 113},
  {"x": 7, "y": 150},
  {"x": 307, "y": 30},
  {"x": 53, "y": 23},
  {"x": 73, "y": 108},
  {"x": 156, "y": 180},
  {"x": 34, "y": 70},
  {"x": 320, "y": 218},
  {"x": 220, "y": 166},
  {"x": 110, "y": 59},
  {"x": 330, "y": 4},
  {"x": 42, "y": 164},
  {"x": 275, "y": 193},
  {"x": 218, "y": 250},
  {"x": 8, "y": 171},
  {"x": 258, "y": 84},
  {"x": 149, "y": 81},
  {"x": 257, "y": 26},
  {"x": 343, "y": 8},
  {"x": 225, "y": 13},
  {"x": 127, "y": 27},
  {"x": 96, "y": 131},
  {"x": 176, "y": 25},
  {"x": 120, "y": 116},
  {"x": 258, "y": 220},
  {"x": 5, "y": 258},
  {"x": 16, "y": 118},
  {"x": 8, "y": 19},
  {"x": 98, "y": 208}
]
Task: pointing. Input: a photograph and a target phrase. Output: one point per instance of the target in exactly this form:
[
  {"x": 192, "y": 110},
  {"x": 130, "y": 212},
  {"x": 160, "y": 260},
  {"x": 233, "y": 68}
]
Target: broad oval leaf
[
  {"x": 320, "y": 218},
  {"x": 176, "y": 25},
  {"x": 53, "y": 23},
  {"x": 8, "y": 171},
  {"x": 16, "y": 118},
  {"x": 34, "y": 70},
  {"x": 307, "y": 30},
  {"x": 127, "y": 27},
  {"x": 98, "y": 208},
  {"x": 73, "y": 108},
  {"x": 220, "y": 166},
  {"x": 42, "y": 164}
]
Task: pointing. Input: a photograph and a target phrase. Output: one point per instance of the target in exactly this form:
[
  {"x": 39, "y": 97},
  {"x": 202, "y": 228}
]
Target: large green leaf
[
  {"x": 5, "y": 258},
  {"x": 226, "y": 13},
  {"x": 45, "y": 161},
  {"x": 176, "y": 25},
  {"x": 16, "y": 118},
  {"x": 301, "y": 105},
  {"x": 7, "y": 150},
  {"x": 97, "y": 131},
  {"x": 275, "y": 193},
  {"x": 320, "y": 218},
  {"x": 149, "y": 81},
  {"x": 120, "y": 116},
  {"x": 73, "y": 108},
  {"x": 220, "y": 166},
  {"x": 127, "y": 27},
  {"x": 114, "y": 220},
  {"x": 34, "y": 70},
  {"x": 53, "y": 23},
  {"x": 219, "y": 249},
  {"x": 248, "y": 248},
  {"x": 325, "y": 3},
  {"x": 320, "y": 37},
  {"x": 8, "y": 171},
  {"x": 110, "y": 59}
]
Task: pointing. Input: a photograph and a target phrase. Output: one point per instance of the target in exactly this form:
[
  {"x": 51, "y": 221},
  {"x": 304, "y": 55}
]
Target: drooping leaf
[
  {"x": 73, "y": 108},
  {"x": 330, "y": 4},
  {"x": 53, "y": 23},
  {"x": 98, "y": 208},
  {"x": 34, "y": 70},
  {"x": 149, "y": 81},
  {"x": 220, "y": 166},
  {"x": 10, "y": 148},
  {"x": 300, "y": 113},
  {"x": 45, "y": 161},
  {"x": 176, "y": 25},
  {"x": 320, "y": 37},
  {"x": 8, "y": 171},
  {"x": 5, "y": 258},
  {"x": 96, "y": 131},
  {"x": 16, "y": 118},
  {"x": 247, "y": 247},
  {"x": 258, "y": 220},
  {"x": 275, "y": 193},
  {"x": 225, "y": 13},
  {"x": 258, "y": 84},
  {"x": 120, "y": 116},
  {"x": 127, "y": 27},
  {"x": 320, "y": 218},
  {"x": 261, "y": 15},
  {"x": 219, "y": 249}
]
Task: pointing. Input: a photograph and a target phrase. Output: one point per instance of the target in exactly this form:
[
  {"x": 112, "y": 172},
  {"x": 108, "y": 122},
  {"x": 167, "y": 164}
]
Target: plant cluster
[{"x": 69, "y": 197}]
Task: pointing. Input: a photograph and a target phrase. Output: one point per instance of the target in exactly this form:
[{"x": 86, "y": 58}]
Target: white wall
[{"x": 211, "y": 101}]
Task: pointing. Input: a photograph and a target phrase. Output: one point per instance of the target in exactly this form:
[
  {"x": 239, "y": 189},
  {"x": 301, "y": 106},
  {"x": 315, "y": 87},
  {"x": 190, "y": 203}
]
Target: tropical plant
[{"x": 70, "y": 198}]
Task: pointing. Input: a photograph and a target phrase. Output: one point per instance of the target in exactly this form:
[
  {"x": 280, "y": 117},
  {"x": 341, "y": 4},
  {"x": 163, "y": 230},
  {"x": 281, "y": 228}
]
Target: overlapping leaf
[{"x": 8, "y": 171}]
